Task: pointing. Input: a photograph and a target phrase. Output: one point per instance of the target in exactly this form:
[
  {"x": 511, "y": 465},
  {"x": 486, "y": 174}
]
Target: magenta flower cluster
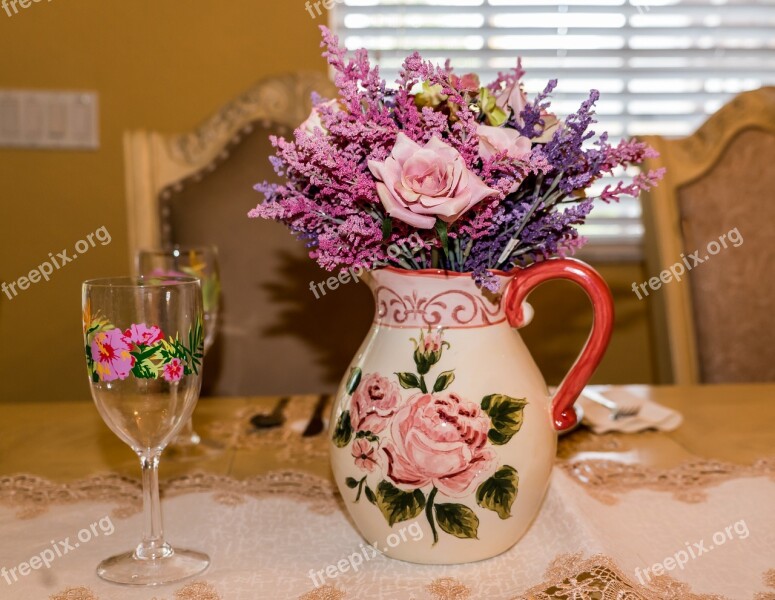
[{"x": 488, "y": 178}]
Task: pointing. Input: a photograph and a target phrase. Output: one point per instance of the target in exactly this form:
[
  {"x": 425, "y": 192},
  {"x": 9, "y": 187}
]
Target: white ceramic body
[{"x": 488, "y": 357}]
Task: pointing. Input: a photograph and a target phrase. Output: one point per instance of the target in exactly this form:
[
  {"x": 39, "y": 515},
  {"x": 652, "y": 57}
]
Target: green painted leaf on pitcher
[
  {"x": 443, "y": 381},
  {"x": 499, "y": 491},
  {"x": 343, "y": 432},
  {"x": 353, "y": 380},
  {"x": 408, "y": 381},
  {"x": 506, "y": 415},
  {"x": 457, "y": 520},
  {"x": 398, "y": 505}
]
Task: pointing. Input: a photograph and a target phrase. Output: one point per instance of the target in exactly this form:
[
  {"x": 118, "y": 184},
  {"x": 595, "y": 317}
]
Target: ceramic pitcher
[{"x": 443, "y": 434}]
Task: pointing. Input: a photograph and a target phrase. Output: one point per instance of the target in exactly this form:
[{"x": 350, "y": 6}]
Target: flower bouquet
[{"x": 488, "y": 178}]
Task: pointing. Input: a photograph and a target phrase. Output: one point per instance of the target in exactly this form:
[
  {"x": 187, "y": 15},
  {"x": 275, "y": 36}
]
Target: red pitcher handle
[{"x": 603, "y": 305}]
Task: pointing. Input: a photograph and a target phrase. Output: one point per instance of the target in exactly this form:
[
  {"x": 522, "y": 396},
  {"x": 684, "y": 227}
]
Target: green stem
[
  {"x": 360, "y": 488},
  {"x": 429, "y": 514},
  {"x": 434, "y": 258},
  {"x": 423, "y": 387}
]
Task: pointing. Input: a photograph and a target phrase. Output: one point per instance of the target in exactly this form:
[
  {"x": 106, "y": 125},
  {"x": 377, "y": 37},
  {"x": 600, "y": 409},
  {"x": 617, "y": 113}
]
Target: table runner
[{"x": 286, "y": 536}]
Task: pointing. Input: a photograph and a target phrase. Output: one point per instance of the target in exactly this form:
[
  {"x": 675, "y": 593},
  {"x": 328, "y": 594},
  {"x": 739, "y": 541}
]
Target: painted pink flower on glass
[
  {"x": 142, "y": 335},
  {"x": 417, "y": 184},
  {"x": 110, "y": 352},
  {"x": 373, "y": 403},
  {"x": 440, "y": 439},
  {"x": 365, "y": 454},
  {"x": 173, "y": 370}
]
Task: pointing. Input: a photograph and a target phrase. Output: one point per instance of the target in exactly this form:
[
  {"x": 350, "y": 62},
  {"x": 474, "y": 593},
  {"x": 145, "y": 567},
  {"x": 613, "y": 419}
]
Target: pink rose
[
  {"x": 494, "y": 140},
  {"x": 364, "y": 454},
  {"x": 512, "y": 97},
  {"x": 515, "y": 98},
  {"x": 417, "y": 184},
  {"x": 173, "y": 370},
  {"x": 141, "y": 334},
  {"x": 110, "y": 352},
  {"x": 551, "y": 124},
  {"x": 440, "y": 439},
  {"x": 314, "y": 121},
  {"x": 373, "y": 403},
  {"x": 467, "y": 83}
]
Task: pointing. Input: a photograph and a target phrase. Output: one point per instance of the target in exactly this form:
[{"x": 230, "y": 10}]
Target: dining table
[{"x": 684, "y": 514}]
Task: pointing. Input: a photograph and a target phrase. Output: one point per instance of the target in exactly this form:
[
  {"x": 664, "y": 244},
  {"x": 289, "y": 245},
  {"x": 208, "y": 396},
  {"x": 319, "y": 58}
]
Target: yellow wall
[
  {"x": 161, "y": 65},
  {"x": 164, "y": 66}
]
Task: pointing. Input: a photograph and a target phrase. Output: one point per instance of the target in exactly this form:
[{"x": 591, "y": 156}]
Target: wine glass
[
  {"x": 200, "y": 262},
  {"x": 144, "y": 343}
]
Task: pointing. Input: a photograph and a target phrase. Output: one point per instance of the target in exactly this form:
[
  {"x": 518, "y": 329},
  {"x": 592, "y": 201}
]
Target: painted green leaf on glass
[
  {"x": 499, "y": 491},
  {"x": 506, "y": 415}
]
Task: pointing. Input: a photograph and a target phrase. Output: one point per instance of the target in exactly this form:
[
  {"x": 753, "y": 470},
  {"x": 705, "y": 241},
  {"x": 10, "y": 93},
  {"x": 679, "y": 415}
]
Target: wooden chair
[
  {"x": 718, "y": 323},
  {"x": 196, "y": 188}
]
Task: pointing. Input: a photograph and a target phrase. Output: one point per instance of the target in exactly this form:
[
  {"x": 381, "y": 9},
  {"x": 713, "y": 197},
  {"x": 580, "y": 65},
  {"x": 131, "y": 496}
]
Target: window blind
[{"x": 661, "y": 66}]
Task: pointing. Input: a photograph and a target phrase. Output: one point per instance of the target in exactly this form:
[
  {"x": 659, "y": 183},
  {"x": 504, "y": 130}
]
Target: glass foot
[
  {"x": 186, "y": 439},
  {"x": 175, "y": 566}
]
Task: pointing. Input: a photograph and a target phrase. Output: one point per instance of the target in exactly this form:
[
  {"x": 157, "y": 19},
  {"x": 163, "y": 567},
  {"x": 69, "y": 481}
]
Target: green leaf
[
  {"x": 499, "y": 491},
  {"x": 387, "y": 228},
  {"x": 145, "y": 369},
  {"x": 396, "y": 504},
  {"x": 370, "y": 495},
  {"x": 441, "y": 230},
  {"x": 457, "y": 520},
  {"x": 408, "y": 380},
  {"x": 351, "y": 483},
  {"x": 353, "y": 380},
  {"x": 343, "y": 432},
  {"x": 506, "y": 415},
  {"x": 368, "y": 435},
  {"x": 443, "y": 381}
]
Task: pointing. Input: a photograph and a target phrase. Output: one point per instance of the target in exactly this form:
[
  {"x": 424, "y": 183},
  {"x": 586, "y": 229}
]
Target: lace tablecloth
[{"x": 609, "y": 529}]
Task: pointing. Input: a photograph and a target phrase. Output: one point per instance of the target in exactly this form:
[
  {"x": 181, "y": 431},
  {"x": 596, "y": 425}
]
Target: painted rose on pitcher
[
  {"x": 373, "y": 403},
  {"x": 440, "y": 439},
  {"x": 408, "y": 454},
  {"x": 428, "y": 349}
]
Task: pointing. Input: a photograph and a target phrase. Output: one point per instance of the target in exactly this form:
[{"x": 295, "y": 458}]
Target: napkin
[{"x": 650, "y": 416}]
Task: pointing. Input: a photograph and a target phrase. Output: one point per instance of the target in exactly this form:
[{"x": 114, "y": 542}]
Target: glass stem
[{"x": 153, "y": 545}]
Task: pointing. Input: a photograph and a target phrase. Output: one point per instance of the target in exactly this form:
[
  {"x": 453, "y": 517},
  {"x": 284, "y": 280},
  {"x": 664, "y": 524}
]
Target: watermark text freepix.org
[
  {"x": 46, "y": 268},
  {"x": 353, "y": 274},
  {"x": 58, "y": 549},
  {"x": 694, "y": 550},
  {"x": 687, "y": 263},
  {"x": 317, "y": 12},
  {"x": 365, "y": 553},
  {"x": 14, "y": 4}
]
